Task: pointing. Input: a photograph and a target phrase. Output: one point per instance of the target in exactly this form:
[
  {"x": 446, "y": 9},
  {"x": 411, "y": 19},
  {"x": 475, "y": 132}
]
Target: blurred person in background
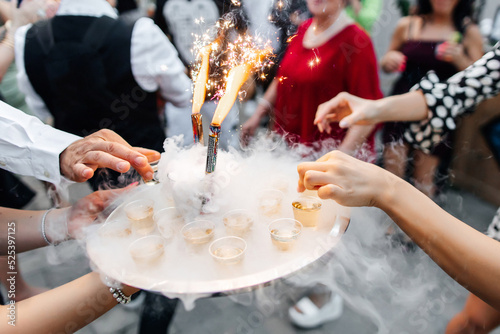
[
  {"x": 440, "y": 37},
  {"x": 364, "y": 12},
  {"x": 89, "y": 70}
]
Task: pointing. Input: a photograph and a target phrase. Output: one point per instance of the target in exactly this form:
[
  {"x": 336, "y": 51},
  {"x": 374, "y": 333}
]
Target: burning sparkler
[{"x": 226, "y": 64}]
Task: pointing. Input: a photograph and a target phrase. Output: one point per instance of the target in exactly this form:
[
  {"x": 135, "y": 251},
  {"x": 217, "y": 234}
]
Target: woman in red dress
[{"x": 329, "y": 54}]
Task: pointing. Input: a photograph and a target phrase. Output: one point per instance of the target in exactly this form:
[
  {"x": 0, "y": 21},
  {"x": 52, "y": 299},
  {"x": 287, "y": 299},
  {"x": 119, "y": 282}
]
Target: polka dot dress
[{"x": 450, "y": 99}]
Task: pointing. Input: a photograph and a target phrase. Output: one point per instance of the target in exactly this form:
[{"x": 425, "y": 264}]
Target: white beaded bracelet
[
  {"x": 115, "y": 289},
  {"x": 44, "y": 235},
  {"x": 120, "y": 296}
]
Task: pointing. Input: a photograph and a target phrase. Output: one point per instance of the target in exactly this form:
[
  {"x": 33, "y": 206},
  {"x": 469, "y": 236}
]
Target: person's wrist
[
  {"x": 263, "y": 107},
  {"x": 380, "y": 108},
  {"x": 56, "y": 226},
  {"x": 391, "y": 188}
]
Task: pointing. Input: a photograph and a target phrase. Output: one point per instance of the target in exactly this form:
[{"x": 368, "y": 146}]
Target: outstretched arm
[
  {"x": 468, "y": 256},
  {"x": 437, "y": 103},
  {"x": 30, "y": 147},
  {"x": 350, "y": 110},
  {"x": 64, "y": 309},
  {"x": 24, "y": 227}
]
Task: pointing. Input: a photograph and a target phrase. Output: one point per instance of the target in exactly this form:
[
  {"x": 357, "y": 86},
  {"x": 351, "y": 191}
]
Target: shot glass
[
  {"x": 270, "y": 201},
  {"x": 115, "y": 229},
  {"x": 198, "y": 232},
  {"x": 140, "y": 215},
  {"x": 147, "y": 250},
  {"x": 284, "y": 232},
  {"x": 228, "y": 250},
  {"x": 237, "y": 222},
  {"x": 166, "y": 220},
  {"x": 306, "y": 210}
]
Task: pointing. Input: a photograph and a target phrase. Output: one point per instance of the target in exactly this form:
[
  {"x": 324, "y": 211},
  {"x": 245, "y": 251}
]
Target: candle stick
[
  {"x": 199, "y": 94},
  {"x": 235, "y": 79},
  {"x": 213, "y": 145},
  {"x": 200, "y": 85}
]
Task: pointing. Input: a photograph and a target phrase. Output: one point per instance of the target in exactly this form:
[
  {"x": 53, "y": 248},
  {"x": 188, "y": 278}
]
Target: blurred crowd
[{"x": 85, "y": 65}]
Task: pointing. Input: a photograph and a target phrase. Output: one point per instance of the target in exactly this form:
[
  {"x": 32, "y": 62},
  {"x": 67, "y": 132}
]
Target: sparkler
[
  {"x": 226, "y": 64},
  {"x": 235, "y": 79},
  {"x": 200, "y": 90}
]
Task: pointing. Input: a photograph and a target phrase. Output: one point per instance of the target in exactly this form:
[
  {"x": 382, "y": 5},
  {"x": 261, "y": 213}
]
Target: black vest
[{"x": 80, "y": 67}]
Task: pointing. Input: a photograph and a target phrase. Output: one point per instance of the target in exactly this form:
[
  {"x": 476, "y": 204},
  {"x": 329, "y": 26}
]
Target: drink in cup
[
  {"x": 284, "y": 232},
  {"x": 237, "y": 222},
  {"x": 140, "y": 215},
  {"x": 228, "y": 250},
  {"x": 147, "y": 250},
  {"x": 198, "y": 232},
  {"x": 270, "y": 202},
  {"x": 306, "y": 210},
  {"x": 167, "y": 220}
]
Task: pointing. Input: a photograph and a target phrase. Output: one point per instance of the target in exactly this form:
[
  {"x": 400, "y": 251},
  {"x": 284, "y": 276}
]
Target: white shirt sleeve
[
  {"x": 29, "y": 147},
  {"x": 156, "y": 65},
  {"x": 33, "y": 100}
]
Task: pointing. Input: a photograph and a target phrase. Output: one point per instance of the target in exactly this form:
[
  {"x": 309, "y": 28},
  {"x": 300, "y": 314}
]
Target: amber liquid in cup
[
  {"x": 237, "y": 222},
  {"x": 198, "y": 232},
  {"x": 228, "y": 250},
  {"x": 284, "y": 232},
  {"x": 270, "y": 202},
  {"x": 140, "y": 215},
  {"x": 147, "y": 250},
  {"x": 283, "y": 240},
  {"x": 306, "y": 210}
]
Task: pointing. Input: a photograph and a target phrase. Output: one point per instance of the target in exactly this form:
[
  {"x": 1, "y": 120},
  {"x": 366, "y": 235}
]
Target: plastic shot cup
[
  {"x": 140, "y": 215},
  {"x": 238, "y": 222},
  {"x": 115, "y": 229},
  {"x": 166, "y": 220},
  {"x": 198, "y": 232},
  {"x": 228, "y": 250},
  {"x": 284, "y": 232},
  {"x": 147, "y": 250},
  {"x": 270, "y": 201},
  {"x": 306, "y": 210}
]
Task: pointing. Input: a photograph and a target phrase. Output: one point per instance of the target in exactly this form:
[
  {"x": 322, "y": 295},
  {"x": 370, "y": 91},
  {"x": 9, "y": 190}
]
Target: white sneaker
[{"x": 313, "y": 316}]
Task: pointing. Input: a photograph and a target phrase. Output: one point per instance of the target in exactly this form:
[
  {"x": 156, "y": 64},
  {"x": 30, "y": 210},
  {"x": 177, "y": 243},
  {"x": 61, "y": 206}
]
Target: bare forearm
[
  {"x": 24, "y": 227},
  {"x": 406, "y": 107},
  {"x": 268, "y": 101},
  {"x": 355, "y": 137},
  {"x": 271, "y": 92},
  {"x": 63, "y": 309},
  {"x": 468, "y": 256}
]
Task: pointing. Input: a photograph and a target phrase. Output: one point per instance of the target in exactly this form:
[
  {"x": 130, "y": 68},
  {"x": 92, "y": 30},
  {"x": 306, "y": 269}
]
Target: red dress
[{"x": 309, "y": 77}]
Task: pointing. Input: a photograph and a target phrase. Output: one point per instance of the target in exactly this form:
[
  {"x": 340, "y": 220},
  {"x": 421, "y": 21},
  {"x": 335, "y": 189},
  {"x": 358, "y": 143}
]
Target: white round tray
[{"x": 190, "y": 269}]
